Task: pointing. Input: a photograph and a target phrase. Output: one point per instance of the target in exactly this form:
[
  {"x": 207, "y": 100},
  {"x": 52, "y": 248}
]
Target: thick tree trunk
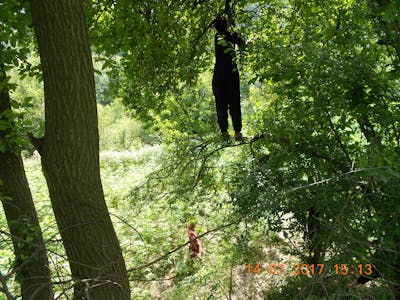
[
  {"x": 31, "y": 264},
  {"x": 70, "y": 157}
]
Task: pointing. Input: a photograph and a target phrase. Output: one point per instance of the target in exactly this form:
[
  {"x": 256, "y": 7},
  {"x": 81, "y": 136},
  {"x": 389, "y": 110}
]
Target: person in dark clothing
[{"x": 226, "y": 84}]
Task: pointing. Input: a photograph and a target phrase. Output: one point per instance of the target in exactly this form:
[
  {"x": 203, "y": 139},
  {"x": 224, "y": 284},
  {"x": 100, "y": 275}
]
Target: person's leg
[
  {"x": 234, "y": 107},
  {"x": 236, "y": 115},
  {"x": 222, "y": 114}
]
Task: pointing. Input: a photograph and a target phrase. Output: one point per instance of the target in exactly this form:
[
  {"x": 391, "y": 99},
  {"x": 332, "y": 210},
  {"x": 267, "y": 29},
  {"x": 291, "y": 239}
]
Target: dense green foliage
[{"x": 316, "y": 179}]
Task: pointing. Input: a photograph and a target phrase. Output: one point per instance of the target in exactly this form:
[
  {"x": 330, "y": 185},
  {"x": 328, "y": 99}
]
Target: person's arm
[{"x": 235, "y": 38}]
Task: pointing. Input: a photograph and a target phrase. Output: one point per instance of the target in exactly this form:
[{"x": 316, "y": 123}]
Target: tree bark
[
  {"x": 31, "y": 265},
  {"x": 70, "y": 157},
  {"x": 313, "y": 230}
]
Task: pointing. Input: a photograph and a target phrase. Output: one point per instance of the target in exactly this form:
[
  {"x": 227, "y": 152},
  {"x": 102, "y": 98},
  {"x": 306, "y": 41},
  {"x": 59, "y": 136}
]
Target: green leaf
[
  {"x": 4, "y": 125},
  {"x": 14, "y": 104}
]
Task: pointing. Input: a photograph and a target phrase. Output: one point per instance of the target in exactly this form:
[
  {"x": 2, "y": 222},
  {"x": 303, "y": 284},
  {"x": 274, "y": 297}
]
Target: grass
[{"x": 150, "y": 227}]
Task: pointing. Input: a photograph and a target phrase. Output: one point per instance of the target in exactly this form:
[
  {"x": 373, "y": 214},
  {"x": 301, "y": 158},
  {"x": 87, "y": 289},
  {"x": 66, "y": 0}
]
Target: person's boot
[
  {"x": 238, "y": 136},
  {"x": 225, "y": 135}
]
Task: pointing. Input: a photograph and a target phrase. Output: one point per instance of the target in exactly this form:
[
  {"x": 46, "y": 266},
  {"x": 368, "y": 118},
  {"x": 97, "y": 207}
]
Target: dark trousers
[
  {"x": 224, "y": 104},
  {"x": 227, "y": 98}
]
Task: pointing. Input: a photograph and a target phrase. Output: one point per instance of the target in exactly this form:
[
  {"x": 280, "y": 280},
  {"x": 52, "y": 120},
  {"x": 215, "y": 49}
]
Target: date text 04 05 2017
[{"x": 309, "y": 269}]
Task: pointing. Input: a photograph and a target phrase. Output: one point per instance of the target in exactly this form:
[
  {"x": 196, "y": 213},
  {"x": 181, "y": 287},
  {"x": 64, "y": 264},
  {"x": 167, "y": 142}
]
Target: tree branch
[
  {"x": 36, "y": 142},
  {"x": 4, "y": 288},
  {"x": 183, "y": 245},
  {"x": 338, "y": 139}
]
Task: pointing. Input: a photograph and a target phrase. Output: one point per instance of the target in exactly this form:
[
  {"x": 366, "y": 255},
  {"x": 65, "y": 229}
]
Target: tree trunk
[
  {"x": 313, "y": 231},
  {"x": 70, "y": 157},
  {"x": 31, "y": 264}
]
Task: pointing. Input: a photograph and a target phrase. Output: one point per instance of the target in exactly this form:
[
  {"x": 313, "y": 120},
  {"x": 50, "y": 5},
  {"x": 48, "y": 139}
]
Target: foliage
[
  {"x": 315, "y": 180},
  {"x": 118, "y": 131},
  {"x": 331, "y": 141},
  {"x": 15, "y": 40},
  {"x": 152, "y": 48},
  {"x": 326, "y": 168}
]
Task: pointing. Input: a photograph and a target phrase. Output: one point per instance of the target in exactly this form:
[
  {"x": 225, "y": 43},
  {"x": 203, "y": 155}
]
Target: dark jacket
[{"x": 226, "y": 75}]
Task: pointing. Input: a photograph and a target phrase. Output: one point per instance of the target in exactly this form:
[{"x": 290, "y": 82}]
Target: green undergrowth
[
  {"x": 146, "y": 230},
  {"x": 151, "y": 228}
]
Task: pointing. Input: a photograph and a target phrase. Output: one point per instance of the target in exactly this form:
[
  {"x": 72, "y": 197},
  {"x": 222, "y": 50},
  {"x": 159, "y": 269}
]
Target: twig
[
  {"x": 197, "y": 39},
  {"x": 332, "y": 178},
  {"x": 250, "y": 142},
  {"x": 127, "y": 224},
  {"x": 4, "y": 288},
  {"x": 338, "y": 139},
  {"x": 183, "y": 245}
]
